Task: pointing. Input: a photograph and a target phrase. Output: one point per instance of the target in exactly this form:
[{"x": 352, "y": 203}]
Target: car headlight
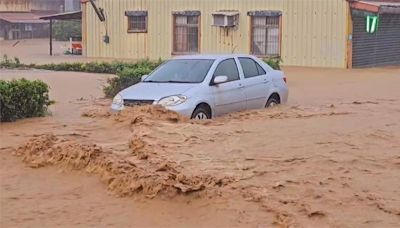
[
  {"x": 172, "y": 100},
  {"x": 118, "y": 100}
]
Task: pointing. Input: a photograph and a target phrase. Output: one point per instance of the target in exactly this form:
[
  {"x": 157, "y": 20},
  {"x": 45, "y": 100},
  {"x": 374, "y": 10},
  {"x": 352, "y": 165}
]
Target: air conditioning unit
[{"x": 225, "y": 18}]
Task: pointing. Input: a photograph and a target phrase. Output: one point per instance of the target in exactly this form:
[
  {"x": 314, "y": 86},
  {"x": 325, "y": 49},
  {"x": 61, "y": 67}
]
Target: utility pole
[{"x": 51, "y": 37}]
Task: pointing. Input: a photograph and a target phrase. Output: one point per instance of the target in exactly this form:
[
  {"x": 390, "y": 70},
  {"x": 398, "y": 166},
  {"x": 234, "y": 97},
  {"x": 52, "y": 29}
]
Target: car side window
[
  {"x": 251, "y": 68},
  {"x": 227, "y": 68},
  {"x": 261, "y": 70}
]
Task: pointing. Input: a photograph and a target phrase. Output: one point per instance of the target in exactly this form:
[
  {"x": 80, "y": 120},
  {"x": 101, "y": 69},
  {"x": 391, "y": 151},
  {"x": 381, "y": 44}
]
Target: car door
[
  {"x": 228, "y": 96},
  {"x": 256, "y": 83}
]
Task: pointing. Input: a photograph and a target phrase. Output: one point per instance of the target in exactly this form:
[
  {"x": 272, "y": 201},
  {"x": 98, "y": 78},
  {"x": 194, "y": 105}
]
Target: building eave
[
  {"x": 378, "y": 7},
  {"x": 75, "y": 15}
]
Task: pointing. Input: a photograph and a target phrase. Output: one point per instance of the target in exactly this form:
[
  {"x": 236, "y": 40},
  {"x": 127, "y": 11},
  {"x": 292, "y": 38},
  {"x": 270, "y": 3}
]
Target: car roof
[{"x": 213, "y": 56}]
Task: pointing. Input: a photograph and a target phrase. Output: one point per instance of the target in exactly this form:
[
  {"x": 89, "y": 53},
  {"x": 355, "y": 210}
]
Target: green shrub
[
  {"x": 99, "y": 67},
  {"x": 275, "y": 63},
  {"x": 5, "y": 62},
  {"x": 61, "y": 67},
  {"x": 124, "y": 79},
  {"x": 127, "y": 73},
  {"x": 22, "y": 99},
  {"x": 95, "y": 67}
]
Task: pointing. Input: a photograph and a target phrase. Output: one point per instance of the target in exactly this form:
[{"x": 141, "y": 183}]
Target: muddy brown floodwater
[{"x": 329, "y": 158}]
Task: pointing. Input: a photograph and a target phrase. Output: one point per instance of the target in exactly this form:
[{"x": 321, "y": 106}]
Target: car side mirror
[
  {"x": 220, "y": 79},
  {"x": 144, "y": 77}
]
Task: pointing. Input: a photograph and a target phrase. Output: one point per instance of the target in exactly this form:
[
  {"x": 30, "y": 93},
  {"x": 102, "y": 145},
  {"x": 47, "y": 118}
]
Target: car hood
[{"x": 155, "y": 91}]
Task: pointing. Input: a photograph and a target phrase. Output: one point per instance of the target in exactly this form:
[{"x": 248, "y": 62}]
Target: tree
[{"x": 63, "y": 30}]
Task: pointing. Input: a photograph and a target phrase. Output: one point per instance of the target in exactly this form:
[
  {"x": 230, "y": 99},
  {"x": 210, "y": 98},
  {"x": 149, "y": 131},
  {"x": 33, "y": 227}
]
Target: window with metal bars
[
  {"x": 28, "y": 27},
  {"x": 137, "y": 23},
  {"x": 186, "y": 34},
  {"x": 265, "y": 37}
]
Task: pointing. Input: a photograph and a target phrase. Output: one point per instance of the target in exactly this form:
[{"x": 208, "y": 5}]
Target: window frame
[
  {"x": 28, "y": 28},
  {"x": 279, "y": 33},
  {"x": 174, "y": 16},
  {"x": 257, "y": 67},
  {"x": 216, "y": 67},
  {"x": 131, "y": 17}
]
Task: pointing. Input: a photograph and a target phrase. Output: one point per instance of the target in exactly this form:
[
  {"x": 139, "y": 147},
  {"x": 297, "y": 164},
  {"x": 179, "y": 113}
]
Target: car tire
[
  {"x": 272, "y": 102},
  {"x": 201, "y": 113}
]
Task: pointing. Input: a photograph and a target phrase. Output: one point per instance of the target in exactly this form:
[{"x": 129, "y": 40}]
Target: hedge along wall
[
  {"x": 23, "y": 99},
  {"x": 127, "y": 73}
]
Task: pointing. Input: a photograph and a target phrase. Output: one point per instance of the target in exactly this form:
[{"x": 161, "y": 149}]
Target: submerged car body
[{"x": 205, "y": 86}]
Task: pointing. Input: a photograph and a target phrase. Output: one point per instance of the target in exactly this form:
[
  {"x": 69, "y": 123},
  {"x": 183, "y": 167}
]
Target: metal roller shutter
[{"x": 381, "y": 48}]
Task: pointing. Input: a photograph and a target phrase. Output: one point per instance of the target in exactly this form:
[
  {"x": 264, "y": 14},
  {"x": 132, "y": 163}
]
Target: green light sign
[{"x": 372, "y": 24}]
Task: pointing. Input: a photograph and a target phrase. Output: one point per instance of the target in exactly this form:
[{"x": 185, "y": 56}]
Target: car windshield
[{"x": 181, "y": 71}]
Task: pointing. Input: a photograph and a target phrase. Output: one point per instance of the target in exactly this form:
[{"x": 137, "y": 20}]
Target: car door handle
[
  {"x": 240, "y": 85},
  {"x": 265, "y": 81}
]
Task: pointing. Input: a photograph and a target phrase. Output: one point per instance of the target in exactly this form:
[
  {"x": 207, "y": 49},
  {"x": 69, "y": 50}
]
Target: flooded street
[{"x": 330, "y": 157}]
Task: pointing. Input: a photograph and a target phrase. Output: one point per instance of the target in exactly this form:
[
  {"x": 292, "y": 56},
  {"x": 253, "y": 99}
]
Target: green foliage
[
  {"x": 23, "y": 99},
  {"x": 126, "y": 78},
  {"x": 98, "y": 67},
  {"x": 90, "y": 67},
  {"x": 127, "y": 73},
  {"x": 275, "y": 63},
  {"x": 61, "y": 66},
  {"x": 63, "y": 30},
  {"x": 5, "y": 62}
]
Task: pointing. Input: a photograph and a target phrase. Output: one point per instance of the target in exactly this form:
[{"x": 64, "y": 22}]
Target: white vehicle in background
[{"x": 205, "y": 86}]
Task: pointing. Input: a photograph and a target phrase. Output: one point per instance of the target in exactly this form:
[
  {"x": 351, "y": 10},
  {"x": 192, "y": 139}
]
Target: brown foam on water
[
  {"x": 153, "y": 113},
  {"x": 136, "y": 114},
  {"x": 157, "y": 138},
  {"x": 124, "y": 175},
  {"x": 150, "y": 151}
]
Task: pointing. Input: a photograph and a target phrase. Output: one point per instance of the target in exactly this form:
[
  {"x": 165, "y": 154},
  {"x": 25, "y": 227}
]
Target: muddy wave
[
  {"x": 124, "y": 175},
  {"x": 137, "y": 114},
  {"x": 151, "y": 157}
]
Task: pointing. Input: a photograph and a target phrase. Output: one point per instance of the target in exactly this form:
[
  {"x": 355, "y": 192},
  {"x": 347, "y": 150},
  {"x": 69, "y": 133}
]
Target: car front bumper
[
  {"x": 116, "y": 107},
  {"x": 183, "y": 109}
]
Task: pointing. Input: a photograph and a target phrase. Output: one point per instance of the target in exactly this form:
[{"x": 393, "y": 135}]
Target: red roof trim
[{"x": 364, "y": 6}]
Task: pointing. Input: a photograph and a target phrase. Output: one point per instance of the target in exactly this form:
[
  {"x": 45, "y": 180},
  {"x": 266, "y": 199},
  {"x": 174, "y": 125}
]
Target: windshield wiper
[
  {"x": 172, "y": 81},
  {"x": 151, "y": 81},
  {"x": 169, "y": 81}
]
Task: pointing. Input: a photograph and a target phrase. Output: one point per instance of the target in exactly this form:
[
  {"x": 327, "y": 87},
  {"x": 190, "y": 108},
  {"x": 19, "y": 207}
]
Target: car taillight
[{"x": 284, "y": 79}]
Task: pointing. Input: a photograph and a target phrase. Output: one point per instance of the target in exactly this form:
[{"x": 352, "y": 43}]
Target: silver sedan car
[{"x": 205, "y": 86}]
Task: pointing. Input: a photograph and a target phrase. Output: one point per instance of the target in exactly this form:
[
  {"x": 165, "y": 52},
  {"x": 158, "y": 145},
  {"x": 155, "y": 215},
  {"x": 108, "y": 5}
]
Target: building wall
[
  {"x": 29, "y": 5},
  {"x": 48, "y": 5},
  {"x": 72, "y": 5},
  {"x": 15, "y": 5},
  {"x": 9, "y": 31},
  {"x": 313, "y": 31}
]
